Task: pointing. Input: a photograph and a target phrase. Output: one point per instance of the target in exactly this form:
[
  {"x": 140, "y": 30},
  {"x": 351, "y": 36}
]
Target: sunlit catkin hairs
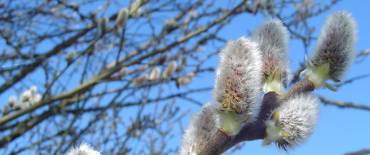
[
  {"x": 335, "y": 49},
  {"x": 121, "y": 19},
  {"x": 200, "y": 130},
  {"x": 272, "y": 38},
  {"x": 83, "y": 149},
  {"x": 293, "y": 121},
  {"x": 238, "y": 84}
]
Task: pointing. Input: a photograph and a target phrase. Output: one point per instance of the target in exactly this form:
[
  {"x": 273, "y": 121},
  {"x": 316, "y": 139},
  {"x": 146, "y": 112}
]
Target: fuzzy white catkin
[
  {"x": 336, "y": 44},
  {"x": 102, "y": 24},
  {"x": 185, "y": 79},
  {"x": 200, "y": 130},
  {"x": 36, "y": 98},
  {"x": 272, "y": 38},
  {"x": 155, "y": 74},
  {"x": 121, "y": 18},
  {"x": 25, "y": 99},
  {"x": 83, "y": 149},
  {"x": 134, "y": 7},
  {"x": 139, "y": 80},
  {"x": 171, "y": 68},
  {"x": 12, "y": 101},
  {"x": 238, "y": 79},
  {"x": 33, "y": 89},
  {"x": 297, "y": 117},
  {"x": 29, "y": 97}
]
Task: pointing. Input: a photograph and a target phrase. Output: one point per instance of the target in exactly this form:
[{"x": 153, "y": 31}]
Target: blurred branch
[
  {"x": 353, "y": 79},
  {"x": 31, "y": 67},
  {"x": 342, "y": 104},
  {"x": 364, "y": 151},
  {"x": 363, "y": 53},
  {"x": 109, "y": 71}
]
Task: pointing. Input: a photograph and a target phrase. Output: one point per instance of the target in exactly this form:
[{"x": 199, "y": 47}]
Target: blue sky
[{"x": 338, "y": 131}]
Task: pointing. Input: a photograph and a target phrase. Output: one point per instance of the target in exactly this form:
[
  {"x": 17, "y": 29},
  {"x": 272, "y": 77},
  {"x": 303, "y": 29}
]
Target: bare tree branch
[
  {"x": 342, "y": 104},
  {"x": 360, "y": 152}
]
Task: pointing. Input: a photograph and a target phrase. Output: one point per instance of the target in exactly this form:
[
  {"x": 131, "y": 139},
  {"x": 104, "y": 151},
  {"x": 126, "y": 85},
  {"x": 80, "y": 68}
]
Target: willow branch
[
  {"x": 219, "y": 142},
  {"x": 360, "y": 152},
  {"x": 343, "y": 104}
]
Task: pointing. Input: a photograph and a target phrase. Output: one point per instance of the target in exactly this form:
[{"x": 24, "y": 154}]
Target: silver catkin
[
  {"x": 238, "y": 79},
  {"x": 83, "y": 149},
  {"x": 336, "y": 44},
  {"x": 200, "y": 130},
  {"x": 297, "y": 117},
  {"x": 272, "y": 38}
]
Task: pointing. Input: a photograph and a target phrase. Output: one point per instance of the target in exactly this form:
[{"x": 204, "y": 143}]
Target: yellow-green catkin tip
[
  {"x": 318, "y": 75},
  {"x": 229, "y": 122},
  {"x": 273, "y": 86}
]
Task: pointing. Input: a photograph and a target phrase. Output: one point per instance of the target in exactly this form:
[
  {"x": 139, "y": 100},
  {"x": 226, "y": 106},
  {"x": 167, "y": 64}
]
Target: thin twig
[
  {"x": 343, "y": 104},
  {"x": 364, "y": 151}
]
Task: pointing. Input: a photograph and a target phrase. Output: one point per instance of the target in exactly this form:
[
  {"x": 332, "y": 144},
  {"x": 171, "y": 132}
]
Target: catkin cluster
[{"x": 252, "y": 67}]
